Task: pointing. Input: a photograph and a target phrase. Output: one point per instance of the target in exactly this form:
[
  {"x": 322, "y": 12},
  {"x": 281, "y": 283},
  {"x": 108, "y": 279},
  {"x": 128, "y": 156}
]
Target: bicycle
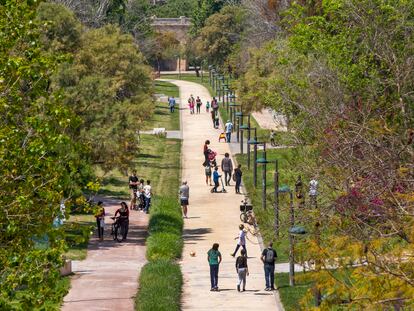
[
  {"x": 117, "y": 231},
  {"x": 247, "y": 215}
]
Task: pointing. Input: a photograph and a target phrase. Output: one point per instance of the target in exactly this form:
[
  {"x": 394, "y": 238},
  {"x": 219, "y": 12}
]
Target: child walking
[
  {"x": 242, "y": 269},
  {"x": 207, "y": 106},
  {"x": 208, "y": 174}
]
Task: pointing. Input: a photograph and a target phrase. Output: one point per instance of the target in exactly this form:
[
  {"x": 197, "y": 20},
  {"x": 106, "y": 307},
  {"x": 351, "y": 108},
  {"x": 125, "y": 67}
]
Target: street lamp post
[
  {"x": 276, "y": 198},
  {"x": 241, "y": 129},
  {"x": 233, "y": 108},
  {"x": 250, "y": 142},
  {"x": 263, "y": 161}
]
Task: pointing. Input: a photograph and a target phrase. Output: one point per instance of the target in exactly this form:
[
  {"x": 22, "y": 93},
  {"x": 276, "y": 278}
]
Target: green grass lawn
[
  {"x": 77, "y": 231},
  {"x": 291, "y": 296},
  {"x": 265, "y": 218},
  {"x": 162, "y": 116}
]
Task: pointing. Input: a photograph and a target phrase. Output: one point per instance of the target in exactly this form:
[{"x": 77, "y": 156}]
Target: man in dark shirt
[
  {"x": 133, "y": 187},
  {"x": 268, "y": 257}
]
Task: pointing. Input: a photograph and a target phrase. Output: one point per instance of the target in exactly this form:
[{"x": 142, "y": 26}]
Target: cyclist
[
  {"x": 133, "y": 186},
  {"x": 123, "y": 218}
]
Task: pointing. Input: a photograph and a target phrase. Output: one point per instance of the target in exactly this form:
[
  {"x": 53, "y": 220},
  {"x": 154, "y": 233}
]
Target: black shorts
[{"x": 184, "y": 201}]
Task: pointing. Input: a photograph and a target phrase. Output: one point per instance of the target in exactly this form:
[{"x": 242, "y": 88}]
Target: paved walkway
[
  {"x": 108, "y": 278},
  {"x": 213, "y": 218}
]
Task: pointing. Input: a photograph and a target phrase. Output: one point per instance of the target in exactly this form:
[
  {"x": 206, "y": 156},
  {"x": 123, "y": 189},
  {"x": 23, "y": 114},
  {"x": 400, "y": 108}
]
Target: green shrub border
[{"x": 161, "y": 279}]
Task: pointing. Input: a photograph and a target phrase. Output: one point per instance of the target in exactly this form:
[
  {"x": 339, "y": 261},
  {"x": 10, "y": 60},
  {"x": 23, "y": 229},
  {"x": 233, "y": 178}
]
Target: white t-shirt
[
  {"x": 229, "y": 127},
  {"x": 242, "y": 238},
  {"x": 147, "y": 191}
]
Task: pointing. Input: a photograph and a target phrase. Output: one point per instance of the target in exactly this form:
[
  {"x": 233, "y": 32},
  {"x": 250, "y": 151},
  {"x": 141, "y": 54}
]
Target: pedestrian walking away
[
  {"x": 207, "y": 106},
  {"x": 242, "y": 270},
  {"x": 268, "y": 258},
  {"x": 198, "y": 104},
  {"x": 214, "y": 260},
  {"x": 241, "y": 240},
  {"x": 133, "y": 182},
  {"x": 123, "y": 218},
  {"x": 191, "y": 104},
  {"x": 228, "y": 129},
  {"x": 171, "y": 103},
  {"x": 237, "y": 177},
  {"x": 208, "y": 175},
  {"x": 227, "y": 168},
  {"x": 216, "y": 177},
  {"x": 100, "y": 220},
  {"x": 147, "y": 196},
  {"x": 184, "y": 197},
  {"x": 216, "y": 119}
]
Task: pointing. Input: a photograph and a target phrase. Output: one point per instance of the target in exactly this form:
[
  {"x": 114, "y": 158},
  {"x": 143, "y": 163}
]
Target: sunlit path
[{"x": 213, "y": 218}]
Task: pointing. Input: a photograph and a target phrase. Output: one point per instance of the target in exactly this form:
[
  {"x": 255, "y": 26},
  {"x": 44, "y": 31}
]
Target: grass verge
[
  {"x": 291, "y": 295},
  {"x": 160, "y": 287}
]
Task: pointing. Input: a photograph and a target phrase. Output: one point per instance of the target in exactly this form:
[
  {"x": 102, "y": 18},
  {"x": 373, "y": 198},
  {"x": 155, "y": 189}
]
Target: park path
[
  {"x": 108, "y": 278},
  {"x": 213, "y": 218}
]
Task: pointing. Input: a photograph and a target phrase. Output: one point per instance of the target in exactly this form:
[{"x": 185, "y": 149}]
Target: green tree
[
  {"x": 221, "y": 35},
  {"x": 203, "y": 10},
  {"x": 171, "y": 9},
  {"x": 38, "y": 159}
]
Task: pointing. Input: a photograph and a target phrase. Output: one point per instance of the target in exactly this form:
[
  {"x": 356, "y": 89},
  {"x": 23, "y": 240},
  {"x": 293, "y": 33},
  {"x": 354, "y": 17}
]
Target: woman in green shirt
[{"x": 214, "y": 260}]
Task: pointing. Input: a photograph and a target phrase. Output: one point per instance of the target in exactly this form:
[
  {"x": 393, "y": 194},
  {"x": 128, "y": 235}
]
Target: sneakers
[
  {"x": 267, "y": 289},
  {"x": 232, "y": 255}
]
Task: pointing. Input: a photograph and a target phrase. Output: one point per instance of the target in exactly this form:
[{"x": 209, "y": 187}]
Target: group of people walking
[{"x": 268, "y": 258}]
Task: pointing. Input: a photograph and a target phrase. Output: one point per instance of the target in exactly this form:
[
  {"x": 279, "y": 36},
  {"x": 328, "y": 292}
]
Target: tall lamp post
[
  {"x": 263, "y": 161},
  {"x": 250, "y": 142},
  {"x": 233, "y": 108},
  {"x": 232, "y": 98}
]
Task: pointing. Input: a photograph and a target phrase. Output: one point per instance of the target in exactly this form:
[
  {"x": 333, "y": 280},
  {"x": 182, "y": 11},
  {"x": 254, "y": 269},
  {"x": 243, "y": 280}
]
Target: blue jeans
[
  {"x": 214, "y": 270},
  {"x": 228, "y": 137},
  {"x": 171, "y": 109},
  {"x": 147, "y": 204},
  {"x": 269, "y": 275}
]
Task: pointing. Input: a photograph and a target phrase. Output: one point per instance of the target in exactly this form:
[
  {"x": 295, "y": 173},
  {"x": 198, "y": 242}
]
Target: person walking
[
  {"x": 213, "y": 118},
  {"x": 208, "y": 107},
  {"x": 216, "y": 177},
  {"x": 184, "y": 196},
  {"x": 216, "y": 120},
  {"x": 205, "y": 152},
  {"x": 208, "y": 175},
  {"x": 268, "y": 258},
  {"x": 191, "y": 104},
  {"x": 198, "y": 104},
  {"x": 214, "y": 104},
  {"x": 171, "y": 103},
  {"x": 214, "y": 260},
  {"x": 228, "y": 129},
  {"x": 100, "y": 220},
  {"x": 242, "y": 269},
  {"x": 123, "y": 218},
  {"x": 147, "y": 196},
  {"x": 237, "y": 178},
  {"x": 227, "y": 168},
  {"x": 241, "y": 240},
  {"x": 272, "y": 138}
]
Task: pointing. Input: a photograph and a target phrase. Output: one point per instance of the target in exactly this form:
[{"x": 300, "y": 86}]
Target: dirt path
[
  {"x": 108, "y": 278},
  {"x": 214, "y": 218}
]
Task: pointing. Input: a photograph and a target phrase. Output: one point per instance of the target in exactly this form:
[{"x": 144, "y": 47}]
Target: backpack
[{"x": 270, "y": 256}]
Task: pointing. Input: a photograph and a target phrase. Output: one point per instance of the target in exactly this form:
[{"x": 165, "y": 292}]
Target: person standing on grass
[
  {"x": 227, "y": 168},
  {"x": 147, "y": 196},
  {"x": 237, "y": 178},
  {"x": 241, "y": 240},
  {"x": 100, "y": 220},
  {"x": 228, "y": 129},
  {"x": 242, "y": 269},
  {"x": 208, "y": 107},
  {"x": 133, "y": 187},
  {"x": 272, "y": 138},
  {"x": 171, "y": 103},
  {"x": 184, "y": 196},
  {"x": 208, "y": 175},
  {"x": 214, "y": 260},
  {"x": 268, "y": 258},
  {"x": 198, "y": 104},
  {"x": 216, "y": 177}
]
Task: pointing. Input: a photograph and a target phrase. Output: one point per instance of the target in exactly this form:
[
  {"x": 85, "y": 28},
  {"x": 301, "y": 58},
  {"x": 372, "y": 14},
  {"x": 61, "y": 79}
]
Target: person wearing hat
[{"x": 228, "y": 129}]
